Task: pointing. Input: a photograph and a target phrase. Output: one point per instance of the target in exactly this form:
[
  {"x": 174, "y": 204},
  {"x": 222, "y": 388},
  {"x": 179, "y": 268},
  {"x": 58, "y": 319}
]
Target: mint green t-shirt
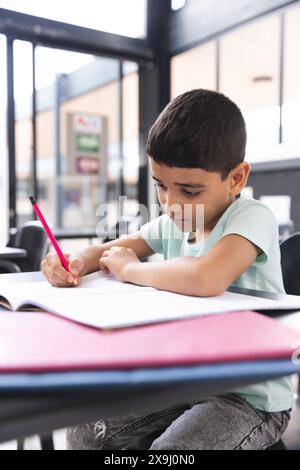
[{"x": 255, "y": 222}]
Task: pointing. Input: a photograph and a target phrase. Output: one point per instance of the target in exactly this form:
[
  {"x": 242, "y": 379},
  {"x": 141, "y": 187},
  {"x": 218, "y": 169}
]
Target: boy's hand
[
  {"x": 56, "y": 274},
  {"x": 116, "y": 260}
]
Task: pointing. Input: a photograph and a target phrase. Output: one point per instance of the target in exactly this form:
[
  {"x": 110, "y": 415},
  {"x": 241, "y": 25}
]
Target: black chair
[
  {"x": 8, "y": 266},
  {"x": 32, "y": 238},
  {"x": 290, "y": 263}
]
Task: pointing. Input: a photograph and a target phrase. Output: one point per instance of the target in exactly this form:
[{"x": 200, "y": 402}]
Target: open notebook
[{"x": 102, "y": 301}]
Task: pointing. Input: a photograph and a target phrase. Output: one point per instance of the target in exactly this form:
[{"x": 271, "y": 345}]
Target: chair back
[
  {"x": 290, "y": 263},
  {"x": 32, "y": 238}
]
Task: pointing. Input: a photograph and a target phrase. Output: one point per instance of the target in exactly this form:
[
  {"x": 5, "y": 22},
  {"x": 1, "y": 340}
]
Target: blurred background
[
  {"x": 82, "y": 83},
  {"x": 81, "y": 86}
]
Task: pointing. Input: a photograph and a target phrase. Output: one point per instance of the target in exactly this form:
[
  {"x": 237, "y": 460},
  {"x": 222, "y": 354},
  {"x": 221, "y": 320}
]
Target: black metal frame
[
  {"x": 11, "y": 134},
  {"x": 281, "y": 73},
  {"x": 34, "y": 133},
  {"x": 121, "y": 189},
  {"x": 76, "y": 38}
]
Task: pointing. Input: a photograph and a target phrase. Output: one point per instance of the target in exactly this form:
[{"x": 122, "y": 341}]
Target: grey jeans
[{"x": 223, "y": 422}]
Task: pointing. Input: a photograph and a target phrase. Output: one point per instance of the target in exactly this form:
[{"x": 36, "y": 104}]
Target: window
[
  {"x": 127, "y": 18},
  {"x": 291, "y": 81},
  {"x": 76, "y": 106},
  {"x": 78, "y": 135},
  {"x": 195, "y": 68},
  {"x": 249, "y": 75},
  {"x": 62, "y": 192},
  {"x": 23, "y": 128},
  {"x": 131, "y": 136}
]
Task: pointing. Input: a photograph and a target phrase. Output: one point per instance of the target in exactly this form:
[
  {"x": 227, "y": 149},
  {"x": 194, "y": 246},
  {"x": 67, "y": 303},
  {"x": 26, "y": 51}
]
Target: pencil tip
[{"x": 32, "y": 200}]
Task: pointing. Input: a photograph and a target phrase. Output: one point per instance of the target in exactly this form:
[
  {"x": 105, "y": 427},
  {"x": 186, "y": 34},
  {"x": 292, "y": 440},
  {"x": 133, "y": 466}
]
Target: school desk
[{"x": 39, "y": 403}]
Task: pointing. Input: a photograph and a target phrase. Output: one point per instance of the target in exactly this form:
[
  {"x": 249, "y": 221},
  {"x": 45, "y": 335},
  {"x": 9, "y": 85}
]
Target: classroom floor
[{"x": 291, "y": 437}]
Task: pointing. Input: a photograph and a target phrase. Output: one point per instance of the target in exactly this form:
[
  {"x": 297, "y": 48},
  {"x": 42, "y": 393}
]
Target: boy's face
[{"x": 186, "y": 193}]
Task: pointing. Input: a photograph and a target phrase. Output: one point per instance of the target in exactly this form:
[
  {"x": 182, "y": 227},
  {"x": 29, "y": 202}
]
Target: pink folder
[{"x": 36, "y": 342}]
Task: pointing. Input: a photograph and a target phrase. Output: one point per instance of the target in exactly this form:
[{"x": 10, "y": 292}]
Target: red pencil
[{"x": 49, "y": 233}]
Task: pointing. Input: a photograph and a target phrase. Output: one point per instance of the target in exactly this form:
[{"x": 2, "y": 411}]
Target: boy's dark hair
[{"x": 199, "y": 129}]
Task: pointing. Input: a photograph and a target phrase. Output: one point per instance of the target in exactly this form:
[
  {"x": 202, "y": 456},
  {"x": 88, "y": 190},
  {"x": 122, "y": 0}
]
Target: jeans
[{"x": 218, "y": 422}]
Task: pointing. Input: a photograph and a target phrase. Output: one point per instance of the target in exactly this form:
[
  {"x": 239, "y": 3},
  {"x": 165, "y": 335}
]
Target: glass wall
[
  {"x": 195, "y": 68},
  {"x": 86, "y": 136},
  {"x": 67, "y": 195},
  {"x": 291, "y": 81},
  {"x": 254, "y": 74},
  {"x": 249, "y": 75}
]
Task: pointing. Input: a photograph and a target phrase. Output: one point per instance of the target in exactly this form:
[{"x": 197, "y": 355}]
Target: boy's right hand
[{"x": 56, "y": 274}]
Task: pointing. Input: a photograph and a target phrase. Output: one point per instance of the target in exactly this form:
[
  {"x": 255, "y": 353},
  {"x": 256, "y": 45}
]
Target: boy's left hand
[{"x": 116, "y": 260}]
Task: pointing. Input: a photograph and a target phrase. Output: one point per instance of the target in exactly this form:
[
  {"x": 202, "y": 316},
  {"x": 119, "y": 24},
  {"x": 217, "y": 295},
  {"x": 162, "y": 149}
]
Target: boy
[{"x": 196, "y": 152}]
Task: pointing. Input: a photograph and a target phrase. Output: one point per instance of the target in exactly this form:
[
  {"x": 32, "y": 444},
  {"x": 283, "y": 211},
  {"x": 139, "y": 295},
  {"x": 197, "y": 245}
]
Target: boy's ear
[{"x": 239, "y": 177}]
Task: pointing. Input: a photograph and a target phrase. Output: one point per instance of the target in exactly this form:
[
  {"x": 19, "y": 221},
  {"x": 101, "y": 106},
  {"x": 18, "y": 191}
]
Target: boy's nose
[
  {"x": 170, "y": 201},
  {"x": 174, "y": 209}
]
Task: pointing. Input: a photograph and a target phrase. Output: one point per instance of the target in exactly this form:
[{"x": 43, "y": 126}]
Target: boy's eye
[
  {"x": 159, "y": 185},
  {"x": 186, "y": 193},
  {"x": 191, "y": 194}
]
